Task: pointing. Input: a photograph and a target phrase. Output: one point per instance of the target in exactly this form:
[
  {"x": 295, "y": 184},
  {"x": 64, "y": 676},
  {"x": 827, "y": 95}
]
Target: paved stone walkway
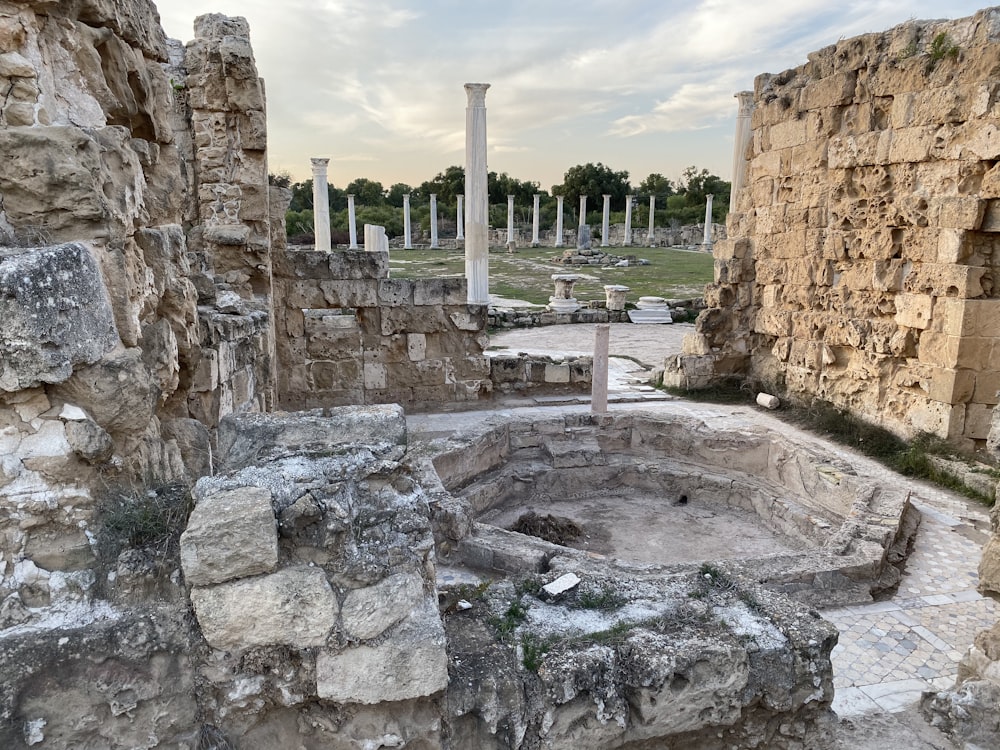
[{"x": 889, "y": 651}]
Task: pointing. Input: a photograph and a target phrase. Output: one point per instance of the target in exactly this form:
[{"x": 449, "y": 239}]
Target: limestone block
[
  {"x": 370, "y": 611},
  {"x": 773, "y": 322},
  {"x": 959, "y": 212},
  {"x": 247, "y": 439},
  {"x": 89, "y": 441},
  {"x": 989, "y": 567},
  {"x": 787, "y": 133},
  {"x": 987, "y": 388},
  {"x": 443, "y": 291},
  {"x": 305, "y": 295},
  {"x": 350, "y": 292},
  {"x": 913, "y": 310},
  {"x": 194, "y": 443},
  {"x": 468, "y": 320},
  {"x": 977, "y": 421},
  {"x": 333, "y": 343},
  {"x": 101, "y": 390},
  {"x": 556, "y": 373},
  {"x": 230, "y": 534},
  {"x": 294, "y": 607},
  {"x": 15, "y": 65},
  {"x": 416, "y": 346},
  {"x": 991, "y": 217},
  {"x": 375, "y": 376},
  {"x": 410, "y": 319},
  {"x": 831, "y": 91},
  {"x": 410, "y": 662},
  {"x": 56, "y": 315},
  {"x": 944, "y": 280},
  {"x": 395, "y": 292},
  {"x": 952, "y": 246},
  {"x": 336, "y": 376},
  {"x": 227, "y": 234}
]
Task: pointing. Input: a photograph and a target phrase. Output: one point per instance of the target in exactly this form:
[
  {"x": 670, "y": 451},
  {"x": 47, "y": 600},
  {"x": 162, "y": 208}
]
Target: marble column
[
  {"x": 707, "y": 242},
  {"x": 534, "y": 220},
  {"x": 651, "y": 236},
  {"x": 352, "y": 222},
  {"x": 375, "y": 239},
  {"x": 741, "y": 144},
  {"x": 434, "y": 221},
  {"x": 477, "y": 209},
  {"x": 628, "y": 221},
  {"x": 606, "y": 221},
  {"x": 321, "y": 205},
  {"x": 559, "y": 220},
  {"x": 599, "y": 373},
  {"x": 583, "y": 210},
  {"x": 407, "y": 235},
  {"x": 460, "y": 219},
  {"x": 511, "y": 243}
]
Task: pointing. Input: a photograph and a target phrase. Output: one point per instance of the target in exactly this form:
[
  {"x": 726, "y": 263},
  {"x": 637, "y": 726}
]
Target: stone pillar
[
  {"x": 606, "y": 221},
  {"x": 741, "y": 144},
  {"x": 375, "y": 239},
  {"x": 407, "y": 236},
  {"x": 599, "y": 375},
  {"x": 707, "y": 242},
  {"x": 352, "y": 222},
  {"x": 563, "y": 300},
  {"x": 434, "y": 220},
  {"x": 534, "y": 220},
  {"x": 321, "y": 205},
  {"x": 559, "y": 220},
  {"x": 477, "y": 213},
  {"x": 583, "y": 210},
  {"x": 615, "y": 297},
  {"x": 460, "y": 219},
  {"x": 628, "y": 221},
  {"x": 511, "y": 243},
  {"x": 651, "y": 236}
]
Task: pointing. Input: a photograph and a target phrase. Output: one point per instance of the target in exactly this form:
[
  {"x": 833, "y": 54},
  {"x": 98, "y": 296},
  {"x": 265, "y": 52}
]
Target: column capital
[
  {"x": 350, "y": 196},
  {"x": 476, "y": 93},
  {"x": 746, "y": 103},
  {"x": 319, "y": 165}
]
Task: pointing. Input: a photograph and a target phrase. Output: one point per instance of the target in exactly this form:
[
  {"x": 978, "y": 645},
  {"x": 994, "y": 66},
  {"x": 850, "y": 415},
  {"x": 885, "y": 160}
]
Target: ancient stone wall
[
  {"x": 348, "y": 334},
  {"x": 862, "y": 253}
]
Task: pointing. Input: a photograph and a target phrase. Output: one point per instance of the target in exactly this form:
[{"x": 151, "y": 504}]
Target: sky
[{"x": 639, "y": 85}]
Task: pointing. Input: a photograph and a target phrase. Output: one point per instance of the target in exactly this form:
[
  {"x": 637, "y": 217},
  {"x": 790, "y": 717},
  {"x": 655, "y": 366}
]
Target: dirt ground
[{"x": 647, "y": 529}]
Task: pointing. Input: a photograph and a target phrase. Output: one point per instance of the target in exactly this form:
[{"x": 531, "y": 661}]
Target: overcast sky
[{"x": 640, "y": 85}]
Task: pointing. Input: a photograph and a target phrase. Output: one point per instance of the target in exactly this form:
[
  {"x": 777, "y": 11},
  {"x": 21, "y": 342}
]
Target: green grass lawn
[{"x": 674, "y": 274}]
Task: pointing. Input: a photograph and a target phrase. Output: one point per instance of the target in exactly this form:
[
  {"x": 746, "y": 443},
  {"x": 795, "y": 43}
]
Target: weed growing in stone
[
  {"x": 152, "y": 520},
  {"x": 605, "y": 599}
]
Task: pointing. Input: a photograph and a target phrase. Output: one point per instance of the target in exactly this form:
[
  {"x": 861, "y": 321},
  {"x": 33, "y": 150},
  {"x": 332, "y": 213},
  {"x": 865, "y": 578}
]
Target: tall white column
[
  {"x": 460, "y": 219},
  {"x": 559, "y": 220},
  {"x": 741, "y": 144},
  {"x": 352, "y": 222},
  {"x": 606, "y": 221},
  {"x": 650, "y": 236},
  {"x": 707, "y": 242},
  {"x": 510, "y": 223},
  {"x": 407, "y": 237},
  {"x": 583, "y": 210},
  {"x": 628, "y": 221},
  {"x": 477, "y": 243},
  {"x": 434, "y": 220},
  {"x": 534, "y": 220},
  {"x": 321, "y": 205}
]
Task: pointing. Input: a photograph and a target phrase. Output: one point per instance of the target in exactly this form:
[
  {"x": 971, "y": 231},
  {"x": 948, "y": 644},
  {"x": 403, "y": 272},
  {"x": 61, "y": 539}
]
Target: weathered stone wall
[
  {"x": 348, "y": 334},
  {"x": 860, "y": 264}
]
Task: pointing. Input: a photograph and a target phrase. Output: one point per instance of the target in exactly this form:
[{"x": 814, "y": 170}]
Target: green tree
[
  {"x": 395, "y": 195},
  {"x": 594, "y": 181},
  {"x": 658, "y": 185},
  {"x": 366, "y": 192}
]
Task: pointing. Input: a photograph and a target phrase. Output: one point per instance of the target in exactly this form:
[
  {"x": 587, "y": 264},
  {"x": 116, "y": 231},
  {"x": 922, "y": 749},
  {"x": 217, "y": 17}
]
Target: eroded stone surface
[{"x": 230, "y": 534}]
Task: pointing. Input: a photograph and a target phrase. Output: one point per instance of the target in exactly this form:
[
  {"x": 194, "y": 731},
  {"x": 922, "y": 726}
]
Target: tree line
[{"x": 678, "y": 202}]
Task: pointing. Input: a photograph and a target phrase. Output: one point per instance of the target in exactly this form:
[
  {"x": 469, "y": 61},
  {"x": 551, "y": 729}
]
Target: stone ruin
[
  {"x": 155, "y": 328},
  {"x": 861, "y": 258}
]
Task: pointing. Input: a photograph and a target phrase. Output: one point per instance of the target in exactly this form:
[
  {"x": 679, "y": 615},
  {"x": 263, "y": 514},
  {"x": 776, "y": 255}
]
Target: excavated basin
[{"x": 669, "y": 491}]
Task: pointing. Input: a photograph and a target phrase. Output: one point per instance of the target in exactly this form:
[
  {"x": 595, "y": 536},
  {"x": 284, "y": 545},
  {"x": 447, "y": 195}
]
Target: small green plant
[
  {"x": 942, "y": 47},
  {"x": 605, "y": 599},
  {"x": 507, "y": 623},
  {"x": 908, "y": 51},
  {"x": 150, "y": 520},
  {"x": 533, "y": 649}
]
